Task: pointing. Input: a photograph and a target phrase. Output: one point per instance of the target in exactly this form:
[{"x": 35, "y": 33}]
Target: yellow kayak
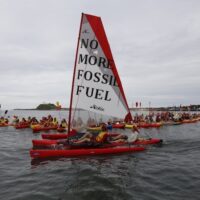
[
  {"x": 130, "y": 126},
  {"x": 98, "y": 128}
]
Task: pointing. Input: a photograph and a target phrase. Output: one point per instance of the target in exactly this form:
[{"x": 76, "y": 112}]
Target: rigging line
[
  {"x": 118, "y": 98},
  {"x": 146, "y": 134}
]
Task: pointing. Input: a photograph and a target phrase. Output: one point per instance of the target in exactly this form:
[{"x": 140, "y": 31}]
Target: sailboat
[{"x": 96, "y": 87}]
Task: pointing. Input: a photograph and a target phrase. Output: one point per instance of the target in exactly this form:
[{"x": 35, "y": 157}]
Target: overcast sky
[{"x": 155, "y": 44}]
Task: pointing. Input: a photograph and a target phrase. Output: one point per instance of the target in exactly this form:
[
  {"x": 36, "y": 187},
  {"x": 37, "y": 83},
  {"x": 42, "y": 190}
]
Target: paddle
[{"x": 135, "y": 129}]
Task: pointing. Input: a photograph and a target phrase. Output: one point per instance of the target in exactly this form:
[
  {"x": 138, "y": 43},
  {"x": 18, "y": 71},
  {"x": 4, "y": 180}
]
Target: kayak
[
  {"x": 46, "y": 153},
  {"x": 187, "y": 121},
  {"x": 150, "y": 125},
  {"x": 4, "y": 125},
  {"x": 58, "y": 136},
  {"x": 44, "y": 143},
  {"x": 38, "y": 129},
  {"x": 130, "y": 126},
  {"x": 97, "y": 128},
  {"x": 120, "y": 126},
  {"x": 55, "y": 136},
  {"x": 61, "y": 129},
  {"x": 22, "y": 126},
  {"x": 170, "y": 123},
  {"x": 35, "y": 125},
  {"x": 140, "y": 141}
]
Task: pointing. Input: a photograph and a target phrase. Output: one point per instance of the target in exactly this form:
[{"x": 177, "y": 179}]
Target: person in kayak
[
  {"x": 63, "y": 124},
  {"x": 133, "y": 136},
  {"x": 102, "y": 137},
  {"x": 55, "y": 121}
]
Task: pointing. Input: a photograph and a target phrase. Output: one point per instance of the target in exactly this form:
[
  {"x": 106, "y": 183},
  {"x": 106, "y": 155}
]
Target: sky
[{"x": 155, "y": 45}]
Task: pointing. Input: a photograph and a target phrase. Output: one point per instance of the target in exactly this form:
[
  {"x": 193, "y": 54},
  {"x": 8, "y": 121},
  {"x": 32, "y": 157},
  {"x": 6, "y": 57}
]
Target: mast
[{"x": 72, "y": 88}]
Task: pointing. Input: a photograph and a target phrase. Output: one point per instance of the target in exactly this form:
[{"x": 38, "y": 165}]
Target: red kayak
[
  {"x": 38, "y": 129},
  {"x": 61, "y": 129},
  {"x": 188, "y": 121},
  {"x": 58, "y": 136},
  {"x": 44, "y": 143},
  {"x": 4, "y": 125},
  {"x": 22, "y": 126},
  {"x": 55, "y": 136},
  {"x": 148, "y": 141},
  {"x": 120, "y": 126},
  {"x": 82, "y": 152},
  {"x": 152, "y": 125},
  {"x": 49, "y": 143}
]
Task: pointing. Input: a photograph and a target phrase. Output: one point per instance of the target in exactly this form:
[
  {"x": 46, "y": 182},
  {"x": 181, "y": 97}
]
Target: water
[{"x": 170, "y": 172}]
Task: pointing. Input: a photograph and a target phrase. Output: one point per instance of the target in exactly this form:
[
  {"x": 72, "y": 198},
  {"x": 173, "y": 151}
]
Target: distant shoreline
[
  {"x": 40, "y": 109},
  {"x": 164, "y": 109}
]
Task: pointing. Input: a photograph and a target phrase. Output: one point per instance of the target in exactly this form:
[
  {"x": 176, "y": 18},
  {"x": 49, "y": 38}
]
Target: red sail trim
[
  {"x": 97, "y": 27},
  {"x": 128, "y": 117}
]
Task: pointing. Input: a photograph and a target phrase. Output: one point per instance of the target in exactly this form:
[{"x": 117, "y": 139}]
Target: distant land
[
  {"x": 51, "y": 106},
  {"x": 171, "y": 108},
  {"x": 44, "y": 106}
]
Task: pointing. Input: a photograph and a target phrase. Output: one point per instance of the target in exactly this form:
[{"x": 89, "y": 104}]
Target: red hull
[
  {"x": 4, "y": 125},
  {"x": 48, "y": 143},
  {"x": 36, "y": 130},
  {"x": 61, "y": 130},
  {"x": 120, "y": 126},
  {"x": 82, "y": 152},
  {"x": 149, "y": 125},
  {"x": 22, "y": 126},
  {"x": 188, "y": 121},
  {"x": 55, "y": 136},
  {"x": 148, "y": 141}
]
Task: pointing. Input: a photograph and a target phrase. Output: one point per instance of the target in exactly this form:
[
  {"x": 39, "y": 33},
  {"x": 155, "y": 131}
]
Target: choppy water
[{"x": 169, "y": 172}]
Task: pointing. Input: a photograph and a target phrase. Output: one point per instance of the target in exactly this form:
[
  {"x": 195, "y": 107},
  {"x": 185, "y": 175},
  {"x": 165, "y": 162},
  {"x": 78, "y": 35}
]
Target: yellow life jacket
[
  {"x": 100, "y": 136},
  {"x": 64, "y": 124},
  {"x": 55, "y": 122}
]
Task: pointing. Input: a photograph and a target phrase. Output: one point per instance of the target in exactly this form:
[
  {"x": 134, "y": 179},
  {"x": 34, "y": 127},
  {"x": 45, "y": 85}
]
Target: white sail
[{"x": 96, "y": 84}]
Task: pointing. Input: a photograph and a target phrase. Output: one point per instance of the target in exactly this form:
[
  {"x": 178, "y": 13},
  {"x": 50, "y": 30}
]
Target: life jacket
[
  {"x": 63, "y": 124},
  {"x": 101, "y": 136},
  {"x": 55, "y": 122}
]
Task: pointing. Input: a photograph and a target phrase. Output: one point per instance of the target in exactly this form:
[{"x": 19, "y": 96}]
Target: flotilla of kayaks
[
  {"x": 110, "y": 101},
  {"x": 49, "y": 142},
  {"x": 40, "y": 128}
]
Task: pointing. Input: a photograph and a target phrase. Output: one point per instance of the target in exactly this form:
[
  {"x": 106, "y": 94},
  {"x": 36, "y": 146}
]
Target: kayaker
[
  {"x": 15, "y": 120},
  {"x": 55, "y": 121},
  {"x": 102, "y": 137},
  {"x": 63, "y": 124},
  {"x": 133, "y": 136},
  {"x": 23, "y": 120}
]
